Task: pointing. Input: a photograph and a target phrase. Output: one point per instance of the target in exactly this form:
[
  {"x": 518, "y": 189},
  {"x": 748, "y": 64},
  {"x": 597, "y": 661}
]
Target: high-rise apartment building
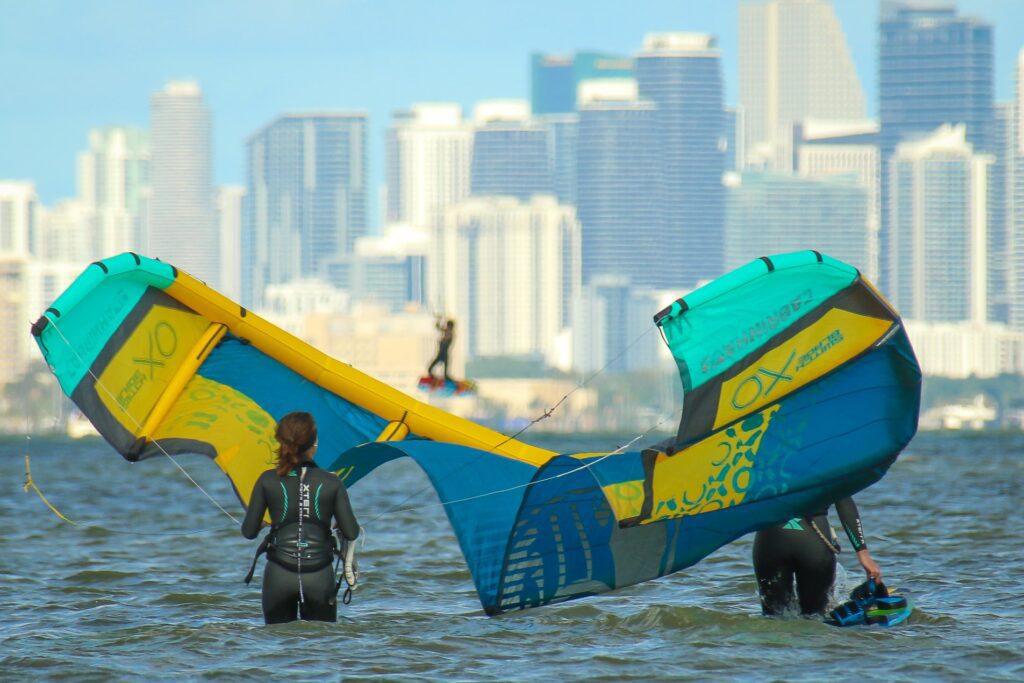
[
  {"x": 428, "y": 151},
  {"x": 27, "y": 286},
  {"x": 793, "y": 64},
  {"x": 608, "y": 319},
  {"x": 681, "y": 73},
  {"x": 182, "y": 228},
  {"x": 939, "y": 235},
  {"x": 306, "y": 197},
  {"x": 66, "y": 233},
  {"x": 563, "y": 135},
  {"x": 229, "y": 227},
  {"x": 1000, "y": 215},
  {"x": 113, "y": 182},
  {"x": 515, "y": 267},
  {"x": 934, "y": 68},
  {"x": 734, "y": 122},
  {"x": 14, "y": 312},
  {"x": 619, "y": 185},
  {"x": 18, "y": 217},
  {"x": 390, "y": 269},
  {"x": 510, "y": 151},
  {"x": 427, "y": 160},
  {"x": 1015, "y": 275},
  {"x": 825, "y": 149},
  {"x": 771, "y": 212},
  {"x": 554, "y": 79}
]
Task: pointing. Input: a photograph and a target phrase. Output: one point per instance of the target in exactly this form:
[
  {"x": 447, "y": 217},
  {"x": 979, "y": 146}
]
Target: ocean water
[{"x": 120, "y": 597}]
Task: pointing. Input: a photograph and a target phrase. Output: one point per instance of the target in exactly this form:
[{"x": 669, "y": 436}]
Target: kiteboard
[
  {"x": 871, "y": 604},
  {"x": 447, "y": 387}
]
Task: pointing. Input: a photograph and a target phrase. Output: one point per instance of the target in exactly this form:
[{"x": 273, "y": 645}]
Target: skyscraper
[
  {"x": 554, "y": 79},
  {"x": 935, "y": 67},
  {"x": 306, "y": 197},
  {"x": 390, "y": 269},
  {"x": 515, "y": 268},
  {"x": 229, "y": 227},
  {"x": 510, "y": 152},
  {"x": 18, "y": 208},
  {"x": 1000, "y": 223},
  {"x": 607, "y": 321},
  {"x": 182, "y": 228},
  {"x": 113, "y": 177},
  {"x": 427, "y": 168},
  {"x": 563, "y": 134},
  {"x": 938, "y": 239},
  {"x": 66, "y": 233},
  {"x": 793, "y": 65},
  {"x": 824, "y": 149},
  {"x": 1015, "y": 279},
  {"x": 772, "y": 212},
  {"x": 427, "y": 161},
  {"x": 681, "y": 73},
  {"x": 619, "y": 185}
]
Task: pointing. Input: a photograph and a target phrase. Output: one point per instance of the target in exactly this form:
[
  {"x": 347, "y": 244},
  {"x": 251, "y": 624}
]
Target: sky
[{"x": 67, "y": 67}]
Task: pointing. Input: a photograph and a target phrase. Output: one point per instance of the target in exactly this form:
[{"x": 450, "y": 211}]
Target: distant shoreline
[{"x": 546, "y": 436}]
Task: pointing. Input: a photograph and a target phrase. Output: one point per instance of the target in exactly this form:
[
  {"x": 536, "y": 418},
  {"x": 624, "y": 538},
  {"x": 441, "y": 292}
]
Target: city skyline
[
  {"x": 308, "y": 57},
  {"x": 635, "y": 171}
]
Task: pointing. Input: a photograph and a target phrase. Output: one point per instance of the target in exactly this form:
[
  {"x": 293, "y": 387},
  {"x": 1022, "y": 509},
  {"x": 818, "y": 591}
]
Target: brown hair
[{"x": 296, "y": 434}]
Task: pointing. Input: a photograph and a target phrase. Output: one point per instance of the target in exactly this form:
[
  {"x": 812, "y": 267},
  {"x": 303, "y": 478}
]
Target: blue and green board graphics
[{"x": 800, "y": 388}]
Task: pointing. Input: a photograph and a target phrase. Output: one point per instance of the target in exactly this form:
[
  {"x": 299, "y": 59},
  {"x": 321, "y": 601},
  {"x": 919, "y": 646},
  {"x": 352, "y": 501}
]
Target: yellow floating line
[{"x": 31, "y": 484}]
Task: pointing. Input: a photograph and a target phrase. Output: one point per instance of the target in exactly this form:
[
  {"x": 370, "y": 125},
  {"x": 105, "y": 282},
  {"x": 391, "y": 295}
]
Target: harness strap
[{"x": 264, "y": 546}]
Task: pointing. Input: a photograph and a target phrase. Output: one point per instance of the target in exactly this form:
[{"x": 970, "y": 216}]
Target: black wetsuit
[
  {"x": 322, "y": 497},
  {"x": 794, "y": 549},
  {"x": 443, "y": 346}
]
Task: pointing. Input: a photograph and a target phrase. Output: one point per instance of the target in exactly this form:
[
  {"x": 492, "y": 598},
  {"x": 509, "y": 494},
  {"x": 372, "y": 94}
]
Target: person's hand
[
  {"x": 351, "y": 568},
  {"x": 871, "y": 567}
]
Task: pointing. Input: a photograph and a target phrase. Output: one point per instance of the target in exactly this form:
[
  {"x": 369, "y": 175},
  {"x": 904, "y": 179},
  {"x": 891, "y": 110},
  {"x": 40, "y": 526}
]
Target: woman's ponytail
[{"x": 296, "y": 434}]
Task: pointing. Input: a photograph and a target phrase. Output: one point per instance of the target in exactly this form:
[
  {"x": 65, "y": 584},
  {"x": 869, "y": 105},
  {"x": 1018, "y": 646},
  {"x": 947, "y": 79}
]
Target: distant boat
[{"x": 78, "y": 426}]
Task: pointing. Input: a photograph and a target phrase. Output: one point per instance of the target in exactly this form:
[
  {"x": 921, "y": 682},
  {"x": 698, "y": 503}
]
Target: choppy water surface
[{"x": 93, "y": 603}]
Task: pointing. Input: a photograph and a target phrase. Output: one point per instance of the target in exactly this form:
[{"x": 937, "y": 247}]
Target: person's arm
[
  {"x": 348, "y": 527},
  {"x": 849, "y": 517},
  {"x": 254, "y": 513},
  {"x": 343, "y": 515}
]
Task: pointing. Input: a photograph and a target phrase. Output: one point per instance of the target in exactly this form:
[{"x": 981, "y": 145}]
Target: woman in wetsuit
[
  {"x": 302, "y": 500},
  {"x": 805, "y": 548}
]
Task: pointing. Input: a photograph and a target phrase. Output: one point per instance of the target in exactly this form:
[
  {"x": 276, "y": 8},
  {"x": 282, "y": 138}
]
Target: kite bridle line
[
  {"x": 546, "y": 414},
  {"x": 528, "y": 484},
  {"x": 138, "y": 426}
]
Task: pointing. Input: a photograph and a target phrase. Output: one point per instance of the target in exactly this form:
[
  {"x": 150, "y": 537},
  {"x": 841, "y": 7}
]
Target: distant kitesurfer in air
[
  {"x": 805, "y": 548},
  {"x": 302, "y": 500},
  {"x": 444, "y": 344}
]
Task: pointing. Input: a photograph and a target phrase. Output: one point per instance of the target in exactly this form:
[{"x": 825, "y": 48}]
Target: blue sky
[{"x": 66, "y": 67}]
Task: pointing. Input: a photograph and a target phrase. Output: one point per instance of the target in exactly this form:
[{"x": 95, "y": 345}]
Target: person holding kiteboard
[{"x": 804, "y": 549}]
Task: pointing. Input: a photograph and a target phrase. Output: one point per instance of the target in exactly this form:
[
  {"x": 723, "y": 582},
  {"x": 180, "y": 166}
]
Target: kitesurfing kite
[{"x": 801, "y": 388}]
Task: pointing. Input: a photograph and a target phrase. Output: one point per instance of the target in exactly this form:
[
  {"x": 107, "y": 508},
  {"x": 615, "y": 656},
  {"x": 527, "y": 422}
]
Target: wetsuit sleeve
[
  {"x": 254, "y": 514},
  {"x": 849, "y": 517},
  {"x": 343, "y": 515}
]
